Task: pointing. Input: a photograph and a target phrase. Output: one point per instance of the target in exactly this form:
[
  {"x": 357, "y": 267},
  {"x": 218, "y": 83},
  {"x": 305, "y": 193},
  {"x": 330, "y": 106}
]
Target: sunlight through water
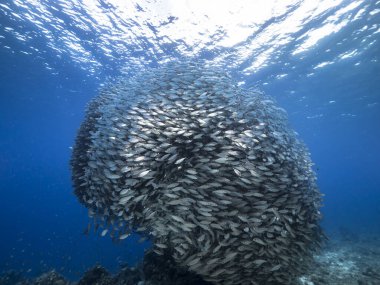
[
  {"x": 246, "y": 36},
  {"x": 318, "y": 60}
]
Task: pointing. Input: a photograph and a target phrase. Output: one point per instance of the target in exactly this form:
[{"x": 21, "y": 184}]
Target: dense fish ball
[{"x": 210, "y": 172}]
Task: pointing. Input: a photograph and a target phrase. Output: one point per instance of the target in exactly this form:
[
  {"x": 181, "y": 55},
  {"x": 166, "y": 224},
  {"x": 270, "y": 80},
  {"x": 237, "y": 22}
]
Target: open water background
[{"x": 320, "y": 60}]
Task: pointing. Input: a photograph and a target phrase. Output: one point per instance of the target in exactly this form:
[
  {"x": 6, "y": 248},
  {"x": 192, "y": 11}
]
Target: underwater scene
[{"x": 218, "y": 142}]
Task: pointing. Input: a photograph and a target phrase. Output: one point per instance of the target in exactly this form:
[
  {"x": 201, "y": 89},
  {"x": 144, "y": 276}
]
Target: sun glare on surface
[{"x": 252, "y": 33}]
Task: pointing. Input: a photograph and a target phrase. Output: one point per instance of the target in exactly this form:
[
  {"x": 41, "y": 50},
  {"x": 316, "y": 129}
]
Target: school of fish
[{"x": 209, "y": 171}]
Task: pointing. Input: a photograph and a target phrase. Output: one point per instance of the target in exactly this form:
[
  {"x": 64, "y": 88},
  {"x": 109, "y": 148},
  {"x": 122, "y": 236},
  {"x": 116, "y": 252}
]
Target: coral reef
[{"x": 339, "y": 263}]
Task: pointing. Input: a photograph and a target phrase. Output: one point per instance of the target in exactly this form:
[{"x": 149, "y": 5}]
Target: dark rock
[
  {"x": 162, "y": 270},
  {"x": 96, "y": 276},
  {"x": 128, "y": 276},
  {"x": 12, "y": 277},
  {"x": 50, "y": 278}
]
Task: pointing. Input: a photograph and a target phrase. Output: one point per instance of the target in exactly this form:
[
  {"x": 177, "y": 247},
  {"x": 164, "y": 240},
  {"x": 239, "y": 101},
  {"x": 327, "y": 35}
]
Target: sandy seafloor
[{"x": 348, "y": 260}]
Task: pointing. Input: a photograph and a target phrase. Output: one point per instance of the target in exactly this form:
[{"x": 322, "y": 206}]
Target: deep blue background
[{"x": 41, "y": 222}]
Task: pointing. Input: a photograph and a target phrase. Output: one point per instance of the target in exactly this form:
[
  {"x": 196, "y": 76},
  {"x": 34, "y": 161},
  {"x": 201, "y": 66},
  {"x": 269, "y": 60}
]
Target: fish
[
  {"x": 104, "y": 232},
  {"x": 211, "y": 172},
  {"x": 143, "y": 173},
  {"x": 124, "y": 236}
]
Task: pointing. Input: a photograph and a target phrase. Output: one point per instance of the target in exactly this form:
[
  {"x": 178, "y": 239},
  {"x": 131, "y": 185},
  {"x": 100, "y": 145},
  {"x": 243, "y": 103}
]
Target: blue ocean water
[{"x": 320, "y": 61}]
